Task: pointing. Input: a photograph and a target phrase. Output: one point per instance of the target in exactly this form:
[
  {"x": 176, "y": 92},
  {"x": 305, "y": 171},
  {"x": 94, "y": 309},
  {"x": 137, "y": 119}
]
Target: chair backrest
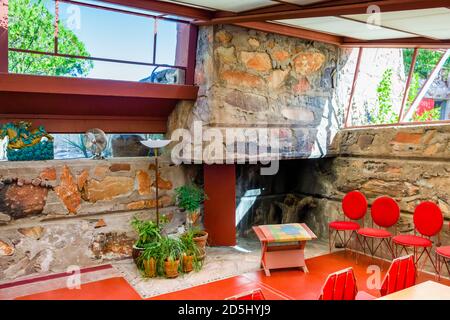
[
  {"x": 385, "y": 212},
  {"x": 340, "y": 285},
  {"x": 354, "y": 205},
  {"x": 428, "y": 219},
  {"x": 250, "y": 295},
  {"x": 401, "y": 275}
]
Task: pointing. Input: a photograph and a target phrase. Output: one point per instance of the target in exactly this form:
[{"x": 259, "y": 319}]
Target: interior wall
[
  {"x": 253, "y": 79},
  {"x": 58, "y": 213}
]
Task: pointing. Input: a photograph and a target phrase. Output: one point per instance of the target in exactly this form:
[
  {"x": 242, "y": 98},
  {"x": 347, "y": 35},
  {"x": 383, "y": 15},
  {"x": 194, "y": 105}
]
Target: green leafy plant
[
  {"x": 429, "y": 115},
  {"x": 190, "y": 197},
  {"x": 385, "y": 113},
  {"x": 148, "y": 232},
  {"x": 31, "y": 27},
  {"x": 190, "y": 247},
  {"x": 152, "y": 250}
]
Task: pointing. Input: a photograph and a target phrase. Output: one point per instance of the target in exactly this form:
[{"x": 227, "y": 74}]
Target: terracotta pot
[
  {"x": 200, "y": 239},
  {"x": 188, "y": 263},
  {"x": 136, "y": 252},
  {"x": 149, "y": 267},
  {"x": 171, "y": 268}
]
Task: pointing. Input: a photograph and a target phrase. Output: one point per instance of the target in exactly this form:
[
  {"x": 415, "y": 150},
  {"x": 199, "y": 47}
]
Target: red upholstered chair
[
  {"x": 385, "y": 214},
  {"x": 442, "y": 257},
  {"x": 354, "y": 206},
  {"x": 401, "y": 275},
  {"x": 428, "y": 221},
  {"x": 341, "y": 285},
  {"x": 250, "y": 295}
]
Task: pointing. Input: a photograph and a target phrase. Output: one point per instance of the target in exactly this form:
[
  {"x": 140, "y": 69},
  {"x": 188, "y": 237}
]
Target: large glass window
[
  {"x": 95, "y": 40},
  {"x": 401, "y": 86}
]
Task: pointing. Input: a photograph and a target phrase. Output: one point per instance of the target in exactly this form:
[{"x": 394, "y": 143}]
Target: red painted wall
[{"x": 220, "y": 208}]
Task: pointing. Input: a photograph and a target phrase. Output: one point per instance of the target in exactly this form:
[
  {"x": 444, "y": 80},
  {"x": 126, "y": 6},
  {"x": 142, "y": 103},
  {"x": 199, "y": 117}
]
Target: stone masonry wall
[
  {"x": 255, "y": 79},
  {"x": 54, "y": 214},
  {"x": 410, "y": 164}
]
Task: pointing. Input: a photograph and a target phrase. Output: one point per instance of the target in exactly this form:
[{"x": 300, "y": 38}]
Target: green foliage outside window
[
  {"x": 31, "y": 27},
  {"x": 384, "y": 112}
]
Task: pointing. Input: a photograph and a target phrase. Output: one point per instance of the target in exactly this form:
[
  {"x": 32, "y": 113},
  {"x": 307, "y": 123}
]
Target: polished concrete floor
[{"x": 283, "y": 284}]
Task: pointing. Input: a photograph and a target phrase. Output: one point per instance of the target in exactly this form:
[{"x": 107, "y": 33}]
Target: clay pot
[
  {"x": 188, "y": 263},
  {"x": 171, "y": 268},
  {"x": 200, "y": 239},
  {"x": 136, "y": 252},
  {"x": 149, "y": 267}
]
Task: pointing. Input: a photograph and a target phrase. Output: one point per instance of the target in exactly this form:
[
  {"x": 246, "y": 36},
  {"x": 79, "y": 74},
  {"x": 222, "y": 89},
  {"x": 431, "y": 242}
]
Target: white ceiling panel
[
  {"x": 434, "y": 23},
  {"x": 304, "y": 2},
  {"x": 345, "y": 27},
  {"x": 227, "y": 5}
]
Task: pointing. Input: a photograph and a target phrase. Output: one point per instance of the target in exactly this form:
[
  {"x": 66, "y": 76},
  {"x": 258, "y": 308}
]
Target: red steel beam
[
  {"x": 292, "y": 32},
  {"x": 4, "y": 36},
  {"x": 80, "y": 124},
  {"x": 94, "y": 87},
  {"x": 408, "y": 83},
  {"x": 331, "y": 10},
  {"x": 352, "y": 92}
]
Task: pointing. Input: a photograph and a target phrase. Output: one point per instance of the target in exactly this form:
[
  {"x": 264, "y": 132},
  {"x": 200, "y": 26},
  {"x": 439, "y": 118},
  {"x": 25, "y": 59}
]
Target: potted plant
[
  {"x": 171, "y": 252},
  {"x": 148, "y": 232},
  {"x": 191, "y": 252},
  {"x": 148, "y": 259},
  {"x": 189, "y": 198}
]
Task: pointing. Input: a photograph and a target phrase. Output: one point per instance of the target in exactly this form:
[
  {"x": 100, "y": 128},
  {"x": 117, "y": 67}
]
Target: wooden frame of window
[{"x": 402, "y": 115}]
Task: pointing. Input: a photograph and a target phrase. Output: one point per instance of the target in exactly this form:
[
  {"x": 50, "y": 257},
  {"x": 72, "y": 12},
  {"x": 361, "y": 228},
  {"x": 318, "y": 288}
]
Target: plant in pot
[
  {"x": 191, "y": 252},
  {"x": 189, "y": 198},
  {"x": 148, "y": 259},
  {"x": 148, "y": 233},
  {"x": 171, "y": 252}
]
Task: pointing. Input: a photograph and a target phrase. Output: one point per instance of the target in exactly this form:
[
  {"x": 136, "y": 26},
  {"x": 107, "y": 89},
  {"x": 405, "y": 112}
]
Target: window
[
  {"x": 71, "y": 146},
  {"x": 95, "y": 40},
  {"x": 395, "y": 86}
]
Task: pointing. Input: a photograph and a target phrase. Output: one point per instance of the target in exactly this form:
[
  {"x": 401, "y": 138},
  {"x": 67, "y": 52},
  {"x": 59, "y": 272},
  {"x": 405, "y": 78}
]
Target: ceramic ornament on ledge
[{"x": 156, "y": 145}]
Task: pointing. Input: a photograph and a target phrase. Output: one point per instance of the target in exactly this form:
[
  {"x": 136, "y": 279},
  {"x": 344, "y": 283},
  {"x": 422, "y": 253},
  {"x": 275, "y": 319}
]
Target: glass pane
[
  {"x": 105, "y": 34},
  {"x": 31, "y": 24},
  {"x": 166, "y": 43},
  {"x": 432, "y": 105},
  {"x": 71, "y": 146},
  {"x": 380, "y": 87}
]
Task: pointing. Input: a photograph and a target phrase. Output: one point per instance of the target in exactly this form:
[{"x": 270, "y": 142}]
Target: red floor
[{"x": 282, "y": 284}]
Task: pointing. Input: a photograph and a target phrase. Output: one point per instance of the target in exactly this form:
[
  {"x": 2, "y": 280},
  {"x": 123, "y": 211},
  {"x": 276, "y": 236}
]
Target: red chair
[
  {"x": 442, "y": 257},
  {"x": 401, "y": 275},
  {"x": 354, "y": 206},
  {"x": 428, "y": 222},
  {"x": 250, "y": 295},
  {"x": 341, "y": 285},
  {"x": 385, "y": 213}
]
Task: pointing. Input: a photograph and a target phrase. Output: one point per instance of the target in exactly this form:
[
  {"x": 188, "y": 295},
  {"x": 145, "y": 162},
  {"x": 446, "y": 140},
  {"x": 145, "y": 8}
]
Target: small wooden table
[
  {"x": 428, "y": 290},
  {"x": 276, "y": 255}
]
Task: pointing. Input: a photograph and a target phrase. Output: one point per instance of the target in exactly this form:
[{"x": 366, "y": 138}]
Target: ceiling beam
[
  {"x": 330, "y": 10},
  {"x": 167, "y": 8},
  {"x": 292, "y": 32},
  {"x": 417, "y": 42}
]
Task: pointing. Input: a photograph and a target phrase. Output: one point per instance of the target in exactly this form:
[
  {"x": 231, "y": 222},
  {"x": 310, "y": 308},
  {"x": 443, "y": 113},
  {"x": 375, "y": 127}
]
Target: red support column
[
  {"x": 4, "y": 36},
  {"x": 187, "y": 50},
  {"x": 220, "y": 208}
]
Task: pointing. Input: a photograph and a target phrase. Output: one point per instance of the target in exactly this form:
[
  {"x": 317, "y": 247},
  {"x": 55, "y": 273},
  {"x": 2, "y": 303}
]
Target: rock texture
[{"x": 259, "y": 80}]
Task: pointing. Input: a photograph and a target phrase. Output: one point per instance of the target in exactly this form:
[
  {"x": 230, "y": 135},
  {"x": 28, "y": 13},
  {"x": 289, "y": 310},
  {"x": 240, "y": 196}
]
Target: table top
[
  {"x": 263, "y": 238},
  {"x": 428, "y": 290}
]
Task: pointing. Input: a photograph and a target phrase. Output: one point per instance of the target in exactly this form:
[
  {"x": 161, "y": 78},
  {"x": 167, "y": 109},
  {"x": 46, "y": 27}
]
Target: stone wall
[
  {"x": 410, "y": 164},
  {"x": 255, "y": 79},
  {"x": 77, "y": 212}
]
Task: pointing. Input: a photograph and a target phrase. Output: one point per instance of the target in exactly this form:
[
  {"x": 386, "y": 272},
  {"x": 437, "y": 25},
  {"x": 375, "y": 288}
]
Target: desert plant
[{"x": 148, "y": 232}]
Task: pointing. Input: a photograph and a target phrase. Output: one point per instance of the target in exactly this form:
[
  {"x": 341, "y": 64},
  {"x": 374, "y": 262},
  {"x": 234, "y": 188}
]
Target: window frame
[
  {"x": 187, "y": 68},
  {"x": 402, "y": 114}
]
